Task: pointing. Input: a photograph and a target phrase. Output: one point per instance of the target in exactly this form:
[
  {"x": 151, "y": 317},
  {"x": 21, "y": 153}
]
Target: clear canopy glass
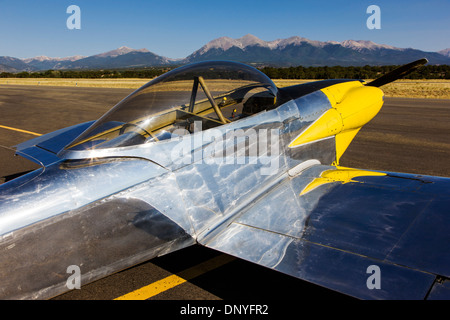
[{"x": 202, "y": 95}]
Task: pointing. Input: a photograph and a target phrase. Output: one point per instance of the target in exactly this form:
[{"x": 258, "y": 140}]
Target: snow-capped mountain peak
[
  {"x": 364, "y": 44},
  {"x": 445, "y": 52},
  {"x": 120, "y": 51}
]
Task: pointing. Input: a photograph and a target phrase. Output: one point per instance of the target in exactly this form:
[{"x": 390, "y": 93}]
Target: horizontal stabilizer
[{"x": 43, "y": 150}]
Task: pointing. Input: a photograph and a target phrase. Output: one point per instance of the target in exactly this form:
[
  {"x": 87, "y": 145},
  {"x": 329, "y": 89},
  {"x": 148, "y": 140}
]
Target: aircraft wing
[{"x": 367, "y": 234}]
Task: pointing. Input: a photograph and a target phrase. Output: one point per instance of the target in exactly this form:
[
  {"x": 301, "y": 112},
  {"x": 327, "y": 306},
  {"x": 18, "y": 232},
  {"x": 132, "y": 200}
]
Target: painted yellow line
[
  {"x": 177, "y": 279},
  {"x": 20, "y": 130}
]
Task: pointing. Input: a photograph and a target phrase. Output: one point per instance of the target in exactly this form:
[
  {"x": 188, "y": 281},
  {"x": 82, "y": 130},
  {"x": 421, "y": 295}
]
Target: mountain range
[{"x": 249, "y": 49}]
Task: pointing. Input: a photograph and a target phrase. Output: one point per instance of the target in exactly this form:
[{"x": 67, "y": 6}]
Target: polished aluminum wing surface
[{"x": 331, "y": 226}]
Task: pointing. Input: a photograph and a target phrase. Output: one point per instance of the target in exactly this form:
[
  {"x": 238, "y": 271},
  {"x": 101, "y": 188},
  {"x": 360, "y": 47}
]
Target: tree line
[
  {"x": 299, "y": 72},
  {"x": 88, "y": 74},
  {"x": 366, "y": 72}
]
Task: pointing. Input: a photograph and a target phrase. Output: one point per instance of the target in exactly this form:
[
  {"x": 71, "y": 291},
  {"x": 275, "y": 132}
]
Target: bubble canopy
[{"x": 201, "y": 95}]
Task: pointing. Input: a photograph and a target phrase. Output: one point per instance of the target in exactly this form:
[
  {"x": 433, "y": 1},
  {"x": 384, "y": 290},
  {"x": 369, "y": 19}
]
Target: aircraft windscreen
[{"x": 201, "y": 95}]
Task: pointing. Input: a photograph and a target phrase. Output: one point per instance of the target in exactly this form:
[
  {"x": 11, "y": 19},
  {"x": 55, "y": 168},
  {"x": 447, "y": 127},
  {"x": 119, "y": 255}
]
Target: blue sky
[{"x": 177, "y": 28}]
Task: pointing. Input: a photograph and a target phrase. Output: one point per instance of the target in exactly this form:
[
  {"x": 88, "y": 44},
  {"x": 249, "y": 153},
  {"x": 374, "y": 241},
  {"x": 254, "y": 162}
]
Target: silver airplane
[{"x": 215, "y": 154}]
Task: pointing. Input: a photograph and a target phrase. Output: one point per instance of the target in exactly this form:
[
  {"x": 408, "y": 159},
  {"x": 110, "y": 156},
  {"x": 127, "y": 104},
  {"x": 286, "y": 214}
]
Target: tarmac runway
[{"x": 408, "y": 135}]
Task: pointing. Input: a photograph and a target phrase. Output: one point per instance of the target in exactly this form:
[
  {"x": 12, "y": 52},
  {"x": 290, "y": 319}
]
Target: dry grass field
[
  {"x": 433, "y": 89},
  {"x": 99, "y": 83}
]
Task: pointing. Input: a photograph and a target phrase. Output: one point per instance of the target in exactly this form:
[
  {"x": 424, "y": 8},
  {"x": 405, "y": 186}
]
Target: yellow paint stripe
[
  {"x": 339, "y": 174},
  {"x": 20, "y": 130},
  {"x": 177, "y": 279}
]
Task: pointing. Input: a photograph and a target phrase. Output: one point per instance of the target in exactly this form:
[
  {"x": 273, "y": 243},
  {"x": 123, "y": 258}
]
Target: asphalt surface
[{"x": 408, "y": 135}]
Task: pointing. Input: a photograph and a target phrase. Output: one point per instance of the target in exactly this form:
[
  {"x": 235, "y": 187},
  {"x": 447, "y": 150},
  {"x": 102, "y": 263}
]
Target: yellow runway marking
[
  {"x": 176, "y": 279},
  {"x": 20, "y": 130}
]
